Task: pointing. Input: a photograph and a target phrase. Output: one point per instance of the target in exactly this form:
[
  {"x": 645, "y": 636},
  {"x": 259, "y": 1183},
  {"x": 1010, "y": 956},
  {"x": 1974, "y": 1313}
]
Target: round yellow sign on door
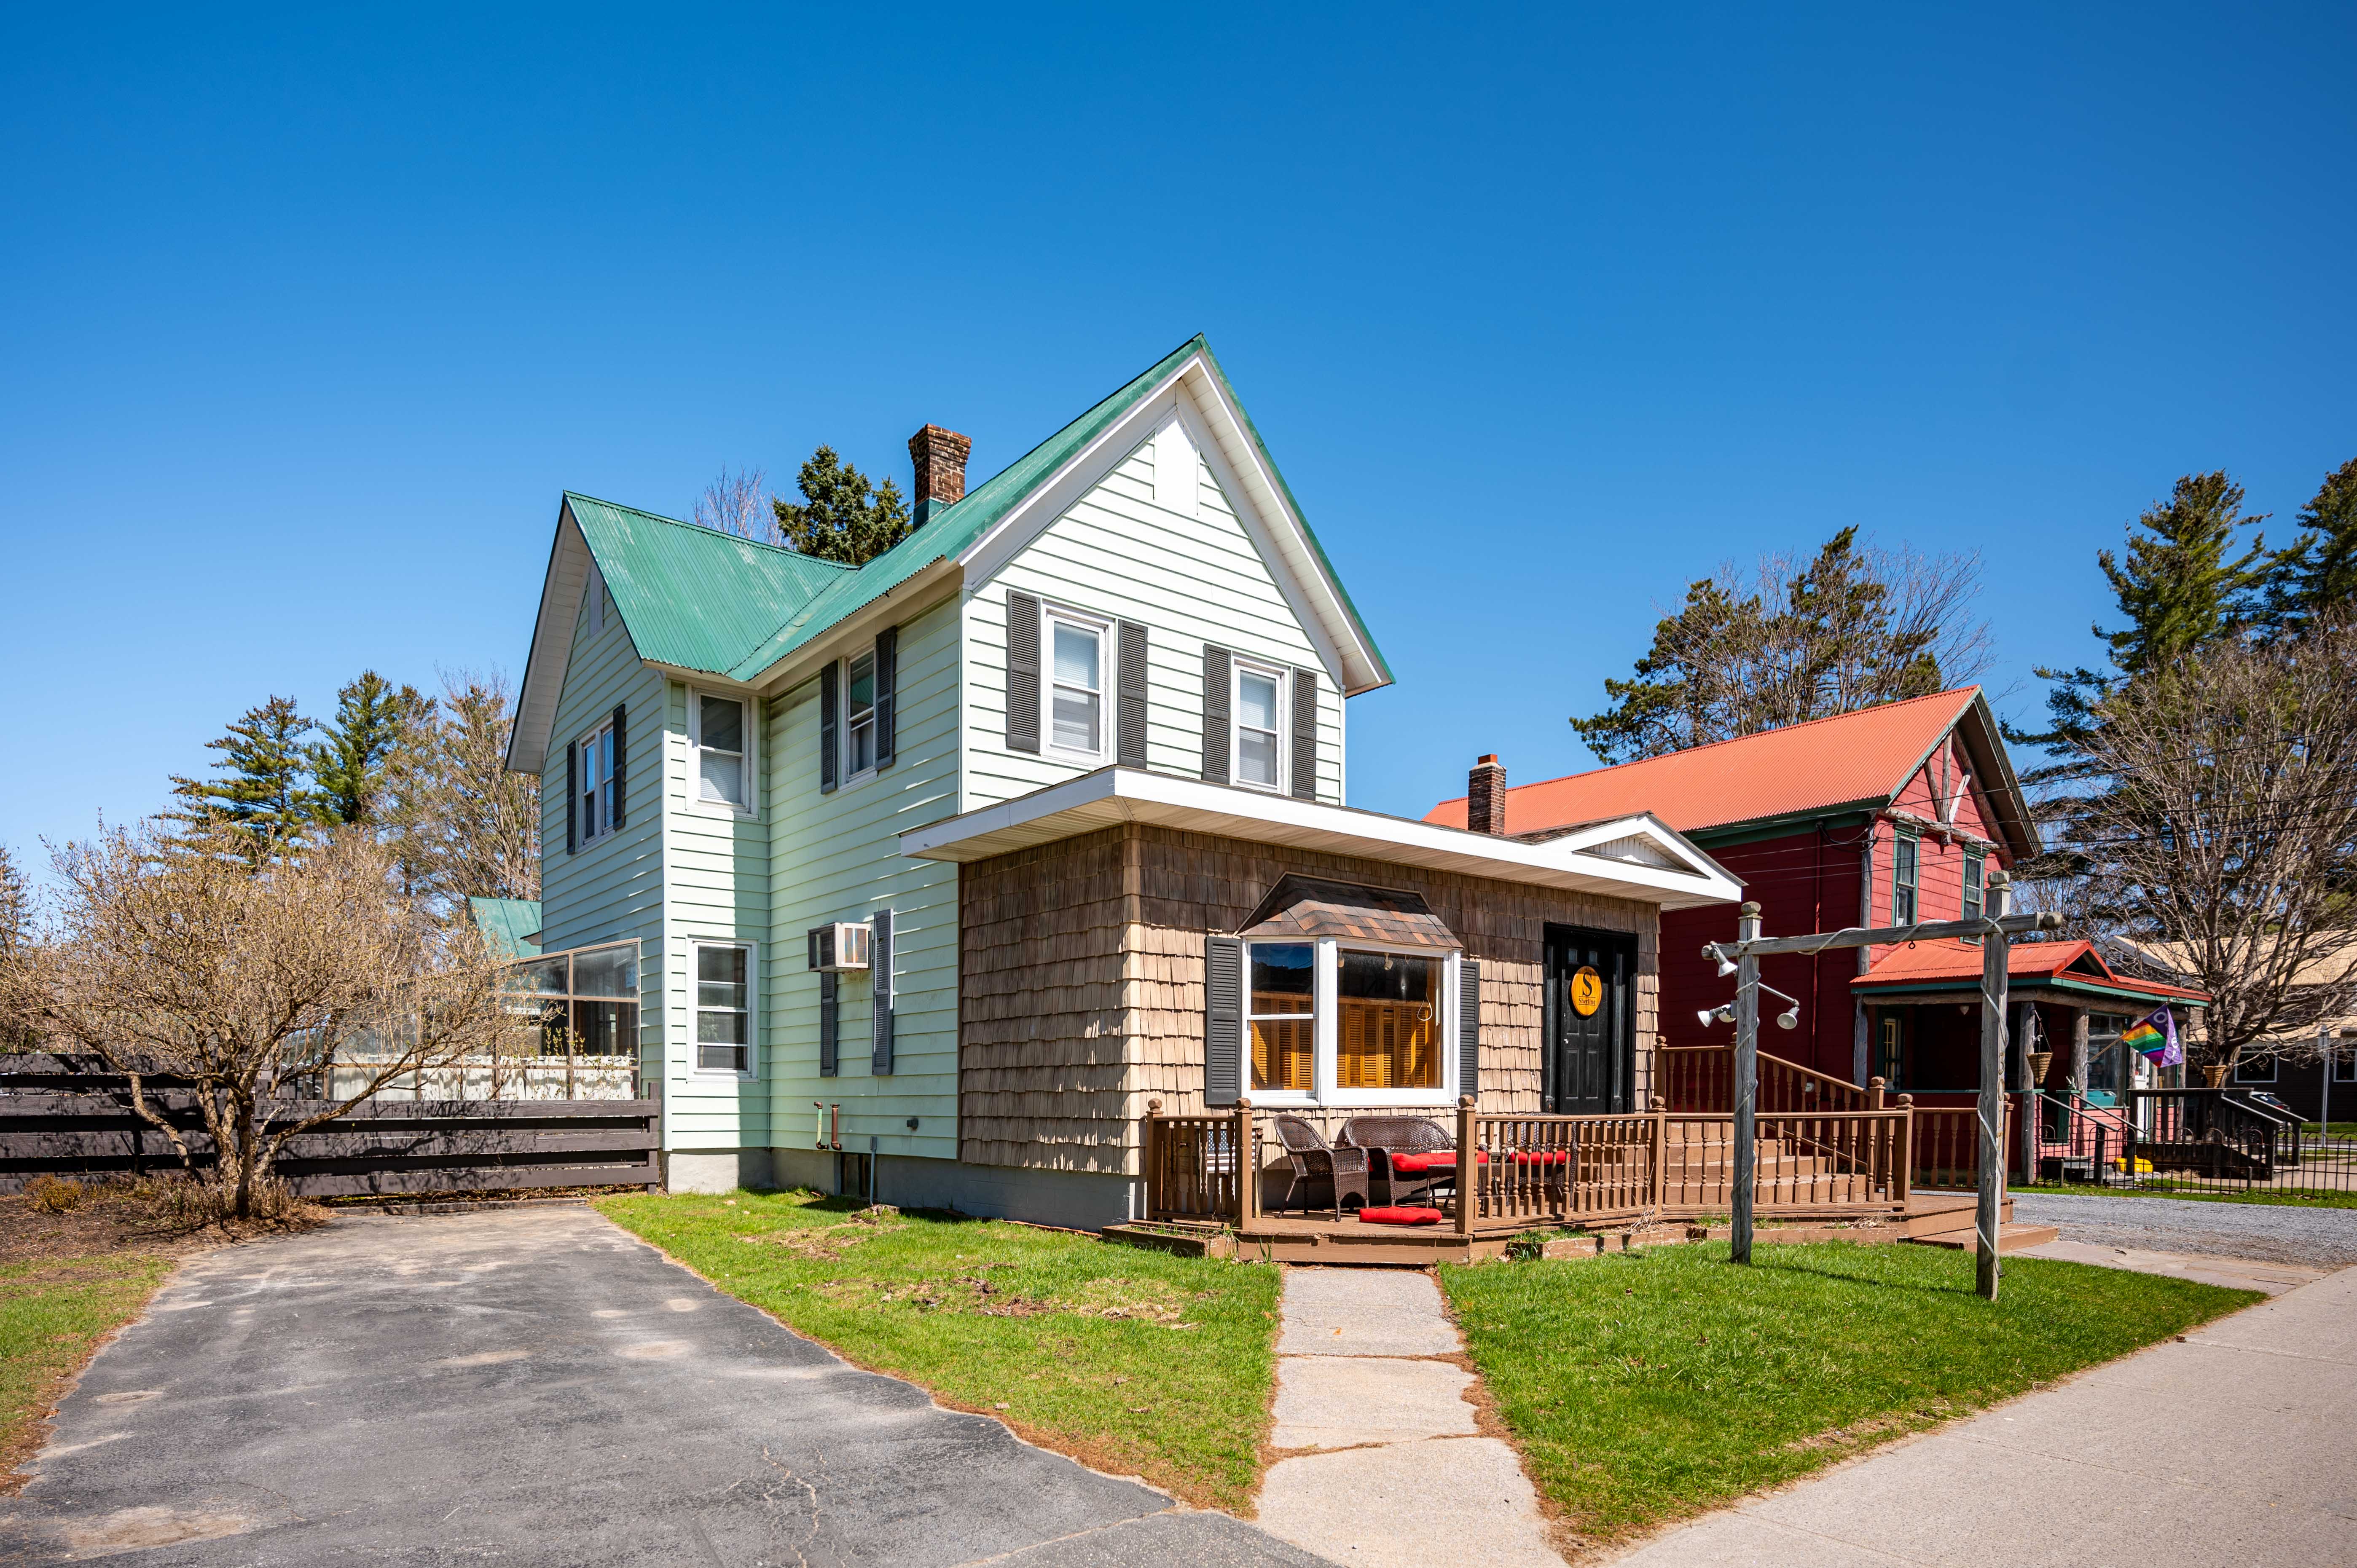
[{"x": 1587, "y": 991}]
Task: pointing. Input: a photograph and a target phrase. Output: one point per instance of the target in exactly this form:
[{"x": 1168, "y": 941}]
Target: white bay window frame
[{"x": 1325, "y": 988}]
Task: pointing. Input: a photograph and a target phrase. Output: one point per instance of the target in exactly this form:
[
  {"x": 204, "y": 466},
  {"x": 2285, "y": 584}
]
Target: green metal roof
[
  {"x": 699, "y": 599},
  {"x": 511, "y": 926}
]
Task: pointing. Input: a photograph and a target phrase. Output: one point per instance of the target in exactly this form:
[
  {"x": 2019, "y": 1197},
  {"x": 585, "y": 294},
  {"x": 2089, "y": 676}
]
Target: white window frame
[
  {"x": 1913, "y": 886},
  {"x": 752, "y": 1069},
  {"x": 850, "y": 774},
  {"x": 1325, "y": 986},
  {"x": 1239, "y": 666},
  {"x": 1102, "y": 628},
  {"x": 587, "y": 831},
  {"x": 747, "y": 761}
]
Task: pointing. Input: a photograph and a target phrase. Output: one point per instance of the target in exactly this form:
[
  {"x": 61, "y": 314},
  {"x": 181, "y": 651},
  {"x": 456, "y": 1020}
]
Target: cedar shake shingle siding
[{"x": 1082, "y": 995}]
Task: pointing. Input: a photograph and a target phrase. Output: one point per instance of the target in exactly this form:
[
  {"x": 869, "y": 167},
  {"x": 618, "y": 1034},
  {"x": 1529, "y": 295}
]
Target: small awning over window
[{"x": 1305, "y": 907}]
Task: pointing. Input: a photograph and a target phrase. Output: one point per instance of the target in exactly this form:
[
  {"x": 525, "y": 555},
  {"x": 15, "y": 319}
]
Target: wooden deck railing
[
  {"x": 1702, "y": 1078},
  {"x": 1192, "y": 1171},
  {"x": 1947, "y": 1142}
]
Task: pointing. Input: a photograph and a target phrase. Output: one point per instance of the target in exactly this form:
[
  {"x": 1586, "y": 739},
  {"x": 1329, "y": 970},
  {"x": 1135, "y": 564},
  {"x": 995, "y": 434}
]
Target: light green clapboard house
[{"x": 1040, "y": 758}]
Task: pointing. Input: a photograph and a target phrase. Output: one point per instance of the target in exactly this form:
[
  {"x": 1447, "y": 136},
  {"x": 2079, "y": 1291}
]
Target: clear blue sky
[{"x": 309, "y": 318}]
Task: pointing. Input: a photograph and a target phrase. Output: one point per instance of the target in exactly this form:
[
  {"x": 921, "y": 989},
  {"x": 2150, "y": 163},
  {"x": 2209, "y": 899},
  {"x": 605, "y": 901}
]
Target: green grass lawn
[
  {"x": 1647, "y": 1386},
  {"x": 1131, "y": 1360},
  {"x": 53, "y": 1313},
  {"x": 2283, "y": 1198}
]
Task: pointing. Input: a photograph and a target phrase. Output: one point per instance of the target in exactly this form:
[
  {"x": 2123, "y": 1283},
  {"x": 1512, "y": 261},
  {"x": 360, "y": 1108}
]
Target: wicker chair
[
  {"x": 1343, "y": 1170},
  {"x": 1383, "y": 1137}
]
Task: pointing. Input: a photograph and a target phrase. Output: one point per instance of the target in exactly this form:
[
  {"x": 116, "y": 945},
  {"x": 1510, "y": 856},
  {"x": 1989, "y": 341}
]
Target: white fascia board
[
  {"x": 1111, "y": 795},
  {"x": 1220, "y": 434},
  {"x": 1672, "y": 843},
  {"x": 552, "y": 646},
  {"x": 900, "y": 603}
]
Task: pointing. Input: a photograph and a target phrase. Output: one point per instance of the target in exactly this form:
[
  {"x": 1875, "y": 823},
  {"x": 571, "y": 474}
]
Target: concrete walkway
[
  {"x": 537, "y": 1386},
  {"x": 1388, "y": 1468},
  {"x": 2229, "y": 1447},
  {"x": 2235, "y": 1273}
]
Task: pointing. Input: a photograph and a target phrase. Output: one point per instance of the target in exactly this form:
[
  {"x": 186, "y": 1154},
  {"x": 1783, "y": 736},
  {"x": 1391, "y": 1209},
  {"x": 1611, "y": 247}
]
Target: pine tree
[
  {"x": 2318, "y": 574},
  {"x": 373, "y": 720},
  {"x": 843, "y": 518},
  {"x": 264, "y": 799}
]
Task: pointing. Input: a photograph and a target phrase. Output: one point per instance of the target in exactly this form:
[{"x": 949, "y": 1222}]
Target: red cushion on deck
[
  {"x": 1540, "y": 1156},
  {"x": 1404, "y": 1215},
  {"x": 1438, "y": 1159}
]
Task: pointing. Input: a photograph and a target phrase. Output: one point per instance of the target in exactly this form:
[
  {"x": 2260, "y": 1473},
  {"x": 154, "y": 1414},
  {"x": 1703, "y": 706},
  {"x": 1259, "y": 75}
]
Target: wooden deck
[{"x": 1937, "y": 1218}]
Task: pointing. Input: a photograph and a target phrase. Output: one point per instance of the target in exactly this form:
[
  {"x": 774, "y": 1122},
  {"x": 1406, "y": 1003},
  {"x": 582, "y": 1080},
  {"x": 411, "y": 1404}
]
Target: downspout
[{"x": 1858, "y": 1043}]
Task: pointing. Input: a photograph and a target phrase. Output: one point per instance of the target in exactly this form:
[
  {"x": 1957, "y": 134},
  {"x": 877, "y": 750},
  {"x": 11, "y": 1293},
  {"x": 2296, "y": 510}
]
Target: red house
[{"x": 1882, "y": 816}]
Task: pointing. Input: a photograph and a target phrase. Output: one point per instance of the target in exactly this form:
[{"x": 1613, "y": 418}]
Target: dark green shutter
[
  {"x": 1216, "y": 738},
  {"x": 1469, "y": 1027},
  {"x": 621, "y": 766},
  {"x": 1022, "y": 673},
  {"x": 1223, "y": 1019},
  {"x": 1129, "y": 727},
  {"x": 879, "y": 966},
  {"x": 1305, "y": 736},
  {"x": 887, "y": 686},
  {"x": 572, "y": 798},
  {"x": 829, "y": 745},
  {"x": 830, "y": 1010}
]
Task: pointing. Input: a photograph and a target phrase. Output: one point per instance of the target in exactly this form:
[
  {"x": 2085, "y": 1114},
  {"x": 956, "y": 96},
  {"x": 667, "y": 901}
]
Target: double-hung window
[
  {"x": 1906, "y": 858},
  {"x": 859, "y": 714},
  {"x": 1976, "y": 886},
  {"x": 1259, "y": 710},
  {"x": 594, "y": 777},
  {"x": 1076, "y": 693},
  {"x": 724, "y": 1009},
  {"x": 720, "y": 751},
  {"x": 1354, "y": 1024}
]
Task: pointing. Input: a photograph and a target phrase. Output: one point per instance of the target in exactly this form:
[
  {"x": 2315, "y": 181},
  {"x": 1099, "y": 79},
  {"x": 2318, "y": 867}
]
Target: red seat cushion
[
  {"x": 1540, "y": 1156},
  {"x": 1438, "y": 1159},
  {"x": 1402, "y": 1215}
]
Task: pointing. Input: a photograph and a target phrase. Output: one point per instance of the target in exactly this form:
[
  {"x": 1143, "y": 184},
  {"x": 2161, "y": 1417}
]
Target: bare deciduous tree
[
  {"x": 737, "y": 503},
  {"x": 250, "y": 980},
  {"x": 462, "y": 825},
  {"x": 2216, "y": 824}
]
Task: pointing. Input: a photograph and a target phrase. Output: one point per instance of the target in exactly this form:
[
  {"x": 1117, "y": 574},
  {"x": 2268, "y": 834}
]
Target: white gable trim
[
  {"x": 1215, "y": 427},
  {"x": 1645, "y": 840},
  {"x": 570, "y": 568}
]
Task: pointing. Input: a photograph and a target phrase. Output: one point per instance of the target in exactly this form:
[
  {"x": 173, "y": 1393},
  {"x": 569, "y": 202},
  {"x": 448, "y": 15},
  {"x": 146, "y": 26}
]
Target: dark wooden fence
[{"x": 57, "y": 1119}]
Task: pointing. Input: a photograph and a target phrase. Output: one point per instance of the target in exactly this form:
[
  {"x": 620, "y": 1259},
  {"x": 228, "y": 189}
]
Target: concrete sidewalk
[{"x": 2229, "y": 1447}]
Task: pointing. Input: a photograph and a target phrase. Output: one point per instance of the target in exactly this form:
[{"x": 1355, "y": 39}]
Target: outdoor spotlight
[
  {"x": 1789, "y": 1018},
  {"x": 1726, "y": 967},
  {"x": 1708, "y": 1017}
]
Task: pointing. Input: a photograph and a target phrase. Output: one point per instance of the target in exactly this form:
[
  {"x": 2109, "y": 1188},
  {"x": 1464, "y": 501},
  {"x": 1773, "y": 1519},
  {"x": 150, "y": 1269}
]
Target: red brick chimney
[
  {"x": 1485, "y": 796},
  {"x": 939, "y": 457}
]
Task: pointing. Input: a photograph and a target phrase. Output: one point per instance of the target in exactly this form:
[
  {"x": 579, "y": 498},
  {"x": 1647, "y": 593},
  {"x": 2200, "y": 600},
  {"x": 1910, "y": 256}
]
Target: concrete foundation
[{"x": 1081, "y": 1200}]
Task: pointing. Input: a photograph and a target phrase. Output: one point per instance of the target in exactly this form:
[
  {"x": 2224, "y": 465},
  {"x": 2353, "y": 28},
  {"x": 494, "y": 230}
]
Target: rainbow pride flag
[{"x": 2155, "y": 1038}]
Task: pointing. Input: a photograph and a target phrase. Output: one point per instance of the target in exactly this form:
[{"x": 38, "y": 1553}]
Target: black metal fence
[
  {"x": 56, "y": 1118},
  {"x": 2228, "y": 1141}
]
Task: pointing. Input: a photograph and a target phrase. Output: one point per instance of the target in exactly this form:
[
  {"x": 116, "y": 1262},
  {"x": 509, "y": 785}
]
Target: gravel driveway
[
  {"x": 2325, "y": 1238},
  {"x": 536, "y": 1387}
]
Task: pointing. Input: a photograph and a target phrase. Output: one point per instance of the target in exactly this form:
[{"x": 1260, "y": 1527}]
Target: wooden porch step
[{"x": 2009, "y": 1239}]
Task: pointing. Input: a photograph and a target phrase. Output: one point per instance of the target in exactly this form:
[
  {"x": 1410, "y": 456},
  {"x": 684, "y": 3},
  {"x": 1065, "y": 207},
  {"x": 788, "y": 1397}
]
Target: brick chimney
[
  {"x": 939, "y": 457},
  {"x": 1485, "y": 796}
]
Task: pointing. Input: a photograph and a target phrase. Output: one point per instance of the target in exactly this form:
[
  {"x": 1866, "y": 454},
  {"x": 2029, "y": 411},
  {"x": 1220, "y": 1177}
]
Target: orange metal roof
[
  {"x": 1919, "y": 963},
  {"x": 1861, "y": 758}
]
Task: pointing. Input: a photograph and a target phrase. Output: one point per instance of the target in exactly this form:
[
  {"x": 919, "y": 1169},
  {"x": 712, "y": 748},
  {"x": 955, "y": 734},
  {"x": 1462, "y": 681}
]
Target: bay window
[
  {"x": 720, "y": 750},
  {"x": 1348, "y": 1024}
]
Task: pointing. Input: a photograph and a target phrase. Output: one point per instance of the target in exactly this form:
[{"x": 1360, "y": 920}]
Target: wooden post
[
  {"x": 1248, "y": 1166},
  {"x": 1874, "y": 1091},
  {"x": 1661, "y": 1149},
  {"x": 1907, "y": 1147},
  {"x": 1991, "y": 1182},
  {"x": 1469, "y": 1167},
  {"x": 1747, "y": 1080},
  {"x": 1153, "y": 1158}
]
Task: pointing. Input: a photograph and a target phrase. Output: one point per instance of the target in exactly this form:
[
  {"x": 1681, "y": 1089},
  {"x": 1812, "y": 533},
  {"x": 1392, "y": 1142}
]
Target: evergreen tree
[
  {"x": 2180, "y": 593},
  {"x": 16, "y": 940},
  {"x": 2318, "y": 574},
  {"x": 263, "y": 798},
  {"x": 843, "y": 518},
  {"x": 375, "y": 719}
]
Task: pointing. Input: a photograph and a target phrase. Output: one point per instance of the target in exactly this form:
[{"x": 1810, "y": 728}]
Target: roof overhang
[
  {"x": 551, "y": 644},
  {"x": 1938, "y": 990},
  {"x": 1112, "y": 796}
]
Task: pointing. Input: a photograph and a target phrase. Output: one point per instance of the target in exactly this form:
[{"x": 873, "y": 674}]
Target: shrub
[{"x": 48, "y": 1195}]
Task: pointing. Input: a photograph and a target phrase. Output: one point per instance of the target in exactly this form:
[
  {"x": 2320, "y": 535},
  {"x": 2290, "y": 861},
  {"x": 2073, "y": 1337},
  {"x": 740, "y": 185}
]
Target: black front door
[{"x": 1590, "y": 1064}]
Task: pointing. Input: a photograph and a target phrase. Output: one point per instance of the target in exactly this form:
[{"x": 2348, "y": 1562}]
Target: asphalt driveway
[{"x": 527, "y": 1387}]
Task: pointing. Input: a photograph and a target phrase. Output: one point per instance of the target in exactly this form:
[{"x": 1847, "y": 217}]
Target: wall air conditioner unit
[{"x": 841, "y": 946}]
